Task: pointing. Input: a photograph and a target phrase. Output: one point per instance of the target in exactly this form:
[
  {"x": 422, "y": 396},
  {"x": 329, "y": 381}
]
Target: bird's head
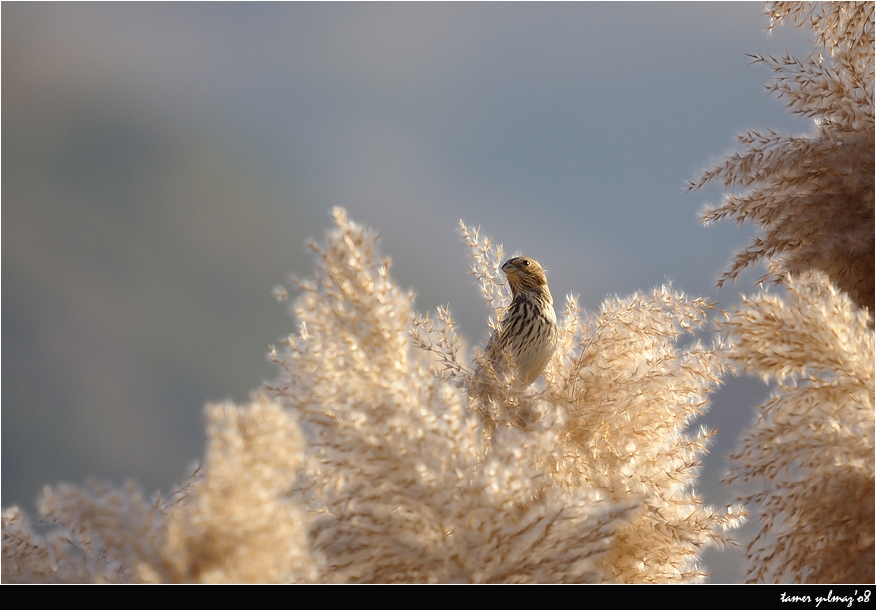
[{"x": 525, "y": 275}]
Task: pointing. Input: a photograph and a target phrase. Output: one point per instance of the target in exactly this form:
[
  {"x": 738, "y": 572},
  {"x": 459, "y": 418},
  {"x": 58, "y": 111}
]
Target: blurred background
[{"x": 164, "y": 164}]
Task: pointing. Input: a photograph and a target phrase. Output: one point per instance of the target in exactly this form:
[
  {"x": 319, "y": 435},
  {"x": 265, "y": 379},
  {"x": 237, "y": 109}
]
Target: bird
[{"x": 527, "y": 333}]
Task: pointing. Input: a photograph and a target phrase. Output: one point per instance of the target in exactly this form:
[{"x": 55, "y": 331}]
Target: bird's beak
[{"x": 508, "y": 268}]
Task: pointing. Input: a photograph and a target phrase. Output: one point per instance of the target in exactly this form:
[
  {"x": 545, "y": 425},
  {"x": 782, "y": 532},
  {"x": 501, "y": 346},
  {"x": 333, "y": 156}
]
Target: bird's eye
[{"x": 526, "y": 262}]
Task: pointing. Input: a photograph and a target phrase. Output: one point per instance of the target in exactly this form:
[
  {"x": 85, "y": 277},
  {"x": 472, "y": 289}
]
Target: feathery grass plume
[
  {"x": 230, "y": 522},
  {"x": 808, "y": 459},
  {"x": 399, "y": 476},
  {"x": 362, "y": 464},
  {"x": 628, "y": 393},
  {"x": 237, "y": 523},
  {"x": 98, "y": 534},
  {"x": 812, "y": 195},
  {"x": 631, "y": 393}
]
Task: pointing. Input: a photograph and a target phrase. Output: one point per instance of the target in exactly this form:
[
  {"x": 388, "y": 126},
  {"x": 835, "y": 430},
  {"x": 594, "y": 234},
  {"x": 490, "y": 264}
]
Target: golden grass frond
[
  {"x": 811, "y": 196},
  {"x": 364, "y": 464},
  {"x": 807, "y": 462}
]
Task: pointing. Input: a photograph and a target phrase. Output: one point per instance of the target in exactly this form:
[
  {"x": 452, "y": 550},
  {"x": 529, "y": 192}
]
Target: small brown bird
[{"x": 527, "y": 334}]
